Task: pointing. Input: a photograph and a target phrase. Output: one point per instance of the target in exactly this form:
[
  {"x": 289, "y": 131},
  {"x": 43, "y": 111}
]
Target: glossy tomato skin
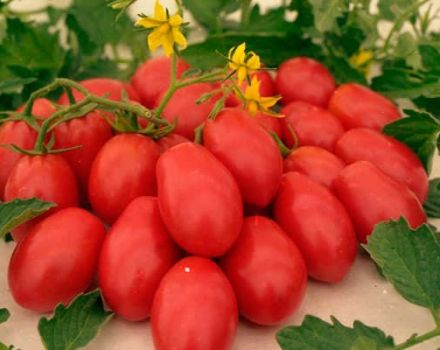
[
  {"x": 357, "y": 106},
  {"x": 47, "y": 177},
  {"x": 371, "y": 196},
  {"x": 194, "y": 308},
  {"x": 152, "y": 78},
  {"x": 111, "y": 88},
  {"x": 91, "y": 132},
  {"x": 199, "y": 200},
  {"x": 267, "y": 272},
  {"x": 136, "y": 254},
  {"x": 317, "y": 163},
  {"x": 304, "y": 79},
  {"x": 20, "y": 134},
  {"x": 389, "y": 155},
  {"x": 183, "y": 108},
  {"x": 123, "y": 169},
  {"x": 57, "y": 260},
  {"x": 271, "y": 124},
  {"x": 313, "y": 126},
  {"x": 248, "y": 151},
  {"x": 319, "y": 224},
  {"x": 170, "y": 140}
]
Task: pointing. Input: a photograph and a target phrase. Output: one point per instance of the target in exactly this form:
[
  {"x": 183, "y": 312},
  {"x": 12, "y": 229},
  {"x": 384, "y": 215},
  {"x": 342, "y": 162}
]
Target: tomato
[
  {"x": 357, "y": 106},
  {"x": 19, "y": 133},
  {"x": 183, "y": 108},
  {"x": 248, "y": 151},
  {"x": 111, "y": 88},
  {"x": 90, "y": 132},
  {"x": 389, "y": 155},
  {"x": 297, "y": 107},
  {"x": 267, "y": 272},
  {"x": 199, "y": 200},
  {"x": 47, "y": 177},
  {"x": 56, "y": 261},
  {"x": 317, "y": 163},
  {"x": 319, "y": 224},
  {"x": 371, "y": 196},
  {"x": 136, "y": 254},
  {"x": 194, "y": 308},
  {"x": 304, "y": 79},
  {"x": 123, "y": 169},
  {"x": 152, "y": 78},
  {"x": 271, "y": 124},
  {"x": 170, "y": 140},
  {"x": 313, "y": 126}
]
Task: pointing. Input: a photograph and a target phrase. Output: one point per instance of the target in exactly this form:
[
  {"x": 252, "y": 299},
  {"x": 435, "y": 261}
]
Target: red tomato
[
  {"x": 357, "y": 106},
  {"x": 371, "y": 196},
  {"x": 389, "y": 155},
  {"x": 319, "y": 224},
  {"x": 267, "y": 272},
  {"x": 317, "y": 163},
  {"x": 183, "y": 108},
  {"x": 152, "y": 78},
  {"x": 170, "y": 140},
  {"x": 128, "y": 284},
  {"x": 297, "y": 107},
  {"x": 111, "y": 88},
  {"x": 91, "y": 132},
  {"x": 248, "y": 151},
  {"x": 57, "y": 260},
  {"x": 20, "y": 134},
  {"x": 271, "y": 124},
  {"x": 48, "y": 178},
  {"x": 304, "y": 79},
  {"x": 194, "y": 308},
  {"x": 312, "y": 126},
  {"x": 199, "y": 200},
  {"x": 123, "y": 169}
]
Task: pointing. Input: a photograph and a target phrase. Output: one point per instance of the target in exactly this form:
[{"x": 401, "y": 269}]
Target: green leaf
[
  {"x": 365, "y": 343},
  {"x": 74, "y": 326},
  {"x": 392, "y": 9},
  {"x": 4, "y": 315},
  {"x": 420, "y": 132},
  {"x": 14, "y": 85},
  {"x": 432, "y": 203},
  {"x": 304, "y": 11},
  {"x": 18, "y": 211},
  {"x": 343, "y": 71},
  {"x": 409, "y": 259},
  {"x": 316, "y": 334},
  {"x": 326, "y": 12}
]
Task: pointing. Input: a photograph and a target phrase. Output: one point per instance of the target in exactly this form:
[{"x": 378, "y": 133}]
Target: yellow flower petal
[
  {"x": 147, "y": 22},
  {"x": 239, "y": 54},
  {"x": 175, "y": 21},
  {"x": 252, "y": 91},
  {"x": 241, "y": 74},
  {"x": 168, "y": 44},
  {"x": 253, "y": 63},
  {"x": 267, "y": 102},
  {"x": 154, "y": 40},
  {"x": 159, "y": 12},
  {"x": 252, "y": 107},
  {"x": 179, "y": 38}
]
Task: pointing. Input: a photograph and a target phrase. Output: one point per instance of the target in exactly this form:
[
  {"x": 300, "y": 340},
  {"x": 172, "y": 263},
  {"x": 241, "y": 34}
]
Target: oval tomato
[
  {"x": 48, "y": 178},
  {"x": 371, "y": 196},
  {"x": 319, "y": 225},
  {"x": 153, "y": 77},
  {"x": 357, "y": 106},
  {"x": 183, "y": 108},
  {"x": 123, "y": 169},
  {"x": 271, "y": 124},
  {"x": 91, "y": 133},
  {"x": 57, "y": 260},
  {"x": 170, "y": 140},
  {"x": 389, "y": 155},
  {"x": 317, "y": 163},
  {"x": 248, "y": 151},
  {"x": 313, "y": 126},
  {"x": 199, "y": 200},
  {"x": 267, "y": 272},
  {"x": 304, "y": 79},
  {"x": 136, "y": 254},
  {"x": 194, "y": 308}
]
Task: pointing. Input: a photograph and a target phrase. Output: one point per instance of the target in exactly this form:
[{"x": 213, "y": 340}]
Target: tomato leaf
[
  {"x": 409, "y": 260},
  {"x": 316, "y": 334},
  {"x": 18, "y": 211},
  {"x": 74, "y": 326},
  {"x": 326, "y": 13},
  {"x": 419, "y": 131},
  {"x": 432, "y": 203},
  {"x": 4, "y": 315}
]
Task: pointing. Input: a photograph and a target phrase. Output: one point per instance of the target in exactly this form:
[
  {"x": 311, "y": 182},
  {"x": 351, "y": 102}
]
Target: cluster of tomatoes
[{"x": 200, "y": 233}]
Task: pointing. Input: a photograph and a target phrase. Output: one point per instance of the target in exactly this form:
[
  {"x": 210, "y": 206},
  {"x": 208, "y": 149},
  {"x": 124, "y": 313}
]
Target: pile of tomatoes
[{"x": 200, "y": 233}]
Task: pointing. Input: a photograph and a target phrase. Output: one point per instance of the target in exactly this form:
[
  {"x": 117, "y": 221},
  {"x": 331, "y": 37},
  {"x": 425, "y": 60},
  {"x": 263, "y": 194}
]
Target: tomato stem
[{"x": 418, "y": 339}]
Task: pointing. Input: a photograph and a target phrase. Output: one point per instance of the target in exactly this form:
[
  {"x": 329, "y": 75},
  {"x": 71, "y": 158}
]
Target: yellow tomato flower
[
  {"x": 166, "y": 30},
  {"x": 254, "y": 102},
  {"x": 362, "y": 60},
  {"x": 244, "y": 64}
]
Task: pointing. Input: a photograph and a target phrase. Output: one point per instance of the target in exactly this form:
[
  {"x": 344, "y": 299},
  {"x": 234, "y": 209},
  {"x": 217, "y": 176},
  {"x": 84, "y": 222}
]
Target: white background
[{"x": 363, "y": 295}]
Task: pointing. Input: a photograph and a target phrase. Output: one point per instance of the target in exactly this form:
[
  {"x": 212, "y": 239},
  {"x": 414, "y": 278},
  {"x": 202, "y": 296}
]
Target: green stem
[
  {"x": 245, "y": 12},
  {"x": 172, "y": 88},
  {"x": 418, "y": 339}
]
